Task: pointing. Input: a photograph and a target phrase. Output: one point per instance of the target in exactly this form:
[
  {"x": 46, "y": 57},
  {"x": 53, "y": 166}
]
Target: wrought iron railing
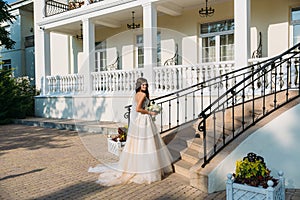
[
  {"x": 182, "y": 106},
  {"x": 224, "y": 99},
  {"x": 54, "y": 7},
  {"x": 267, "y": 87},
  {"x": 258, "y": 52}
]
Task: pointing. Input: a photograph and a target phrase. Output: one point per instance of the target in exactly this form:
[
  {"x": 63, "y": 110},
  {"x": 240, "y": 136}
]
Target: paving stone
[{"x": 44, "y": 163}]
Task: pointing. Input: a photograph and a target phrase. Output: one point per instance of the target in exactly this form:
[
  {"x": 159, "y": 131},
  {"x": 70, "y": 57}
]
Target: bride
[{"x": 145, "y": 158}]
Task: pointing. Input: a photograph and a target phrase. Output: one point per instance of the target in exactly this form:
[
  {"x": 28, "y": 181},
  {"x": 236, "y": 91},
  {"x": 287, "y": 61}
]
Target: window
[
  {"x": 217, "y": 41},
  {"x": 100, "y": 57},
  {"x": 140, "y": 50},
  {"x": 158, "y": 49},
  {"x": 296, "y": 25},
  {"x": 6, "y": 64},
  {"x": 29, "y": 41},
  {"x": 226, "y": 47}
]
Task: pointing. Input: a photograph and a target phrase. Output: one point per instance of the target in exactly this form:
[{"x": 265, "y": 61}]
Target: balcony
[{"x": 53, "y": 7}]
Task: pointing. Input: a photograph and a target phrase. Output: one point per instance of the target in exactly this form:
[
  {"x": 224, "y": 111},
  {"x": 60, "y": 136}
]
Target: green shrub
[{"x": 16, "y": 97}]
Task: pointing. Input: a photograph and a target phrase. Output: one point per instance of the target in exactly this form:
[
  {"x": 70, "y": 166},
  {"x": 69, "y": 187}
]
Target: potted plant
[
  {"x": 252, "y": 179},
  {"x": 117, "y": 142}
]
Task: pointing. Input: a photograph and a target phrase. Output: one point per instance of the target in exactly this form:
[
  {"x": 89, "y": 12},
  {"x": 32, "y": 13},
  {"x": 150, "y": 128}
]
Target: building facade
[
  {"x": 21, "y": 57},
  {"x": 87, "y": 57}
]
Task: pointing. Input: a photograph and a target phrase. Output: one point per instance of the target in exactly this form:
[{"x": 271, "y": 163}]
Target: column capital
[{"x": 147, "y": 3}]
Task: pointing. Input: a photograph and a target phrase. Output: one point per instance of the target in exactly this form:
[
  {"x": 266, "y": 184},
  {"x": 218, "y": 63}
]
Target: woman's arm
[{"x": 140, "y": 98}]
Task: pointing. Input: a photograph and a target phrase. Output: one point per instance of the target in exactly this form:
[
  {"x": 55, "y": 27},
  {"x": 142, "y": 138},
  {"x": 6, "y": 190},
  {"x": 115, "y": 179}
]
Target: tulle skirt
[{"x": 144, "y": 159}]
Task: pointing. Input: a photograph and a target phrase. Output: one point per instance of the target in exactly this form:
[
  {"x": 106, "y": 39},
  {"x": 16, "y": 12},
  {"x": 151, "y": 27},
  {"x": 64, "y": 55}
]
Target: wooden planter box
[
  {"x": 236, "y": 191},
  {"x": 115, "y": 147}
]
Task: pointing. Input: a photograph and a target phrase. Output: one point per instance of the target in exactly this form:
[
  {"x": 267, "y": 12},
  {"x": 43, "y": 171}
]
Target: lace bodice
[
  {"x": 146, "y": 103},
  {"x": 133, "y": 112}
]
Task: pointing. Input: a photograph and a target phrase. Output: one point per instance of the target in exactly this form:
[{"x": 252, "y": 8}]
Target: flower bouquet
[{"x": 154, "y": 108}]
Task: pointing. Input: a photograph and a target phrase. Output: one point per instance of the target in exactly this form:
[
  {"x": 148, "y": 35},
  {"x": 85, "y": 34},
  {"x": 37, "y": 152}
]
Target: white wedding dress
[{"x": 144, "y": 159}]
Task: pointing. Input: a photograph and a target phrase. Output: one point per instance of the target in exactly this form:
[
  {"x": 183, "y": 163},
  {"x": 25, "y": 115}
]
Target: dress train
[{"x": 144, "y": 159}]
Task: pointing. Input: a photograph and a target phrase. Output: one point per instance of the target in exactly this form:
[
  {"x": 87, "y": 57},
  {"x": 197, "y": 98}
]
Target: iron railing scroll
[{"x": 258, "y": 52}]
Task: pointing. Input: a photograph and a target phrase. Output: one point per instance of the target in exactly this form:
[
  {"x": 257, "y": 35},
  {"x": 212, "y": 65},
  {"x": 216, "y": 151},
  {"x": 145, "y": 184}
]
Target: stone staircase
[{"x": 190, "y": 156}]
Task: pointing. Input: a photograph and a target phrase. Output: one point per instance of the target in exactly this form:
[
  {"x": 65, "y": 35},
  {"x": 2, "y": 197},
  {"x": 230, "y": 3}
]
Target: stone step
[
  {"x": 256, "y": 112},
  {"x": 175, "y": 147},
  {"x": 195, "y": 143},
  {"x": 82, "y": 126},
  {"x": 190, "y": 155},
  {"x": 182, "y": 167},
  {"x": 238, "y": 121}
]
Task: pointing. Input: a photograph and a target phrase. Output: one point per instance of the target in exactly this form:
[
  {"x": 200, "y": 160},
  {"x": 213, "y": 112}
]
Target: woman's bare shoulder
[{"x": 140, "y": 95}]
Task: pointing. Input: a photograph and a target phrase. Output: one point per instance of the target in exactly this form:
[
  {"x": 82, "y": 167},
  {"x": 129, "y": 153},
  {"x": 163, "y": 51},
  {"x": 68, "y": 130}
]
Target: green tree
[
  {"x": 5, "y": 16},
  {"x": 16, "y": 97}
]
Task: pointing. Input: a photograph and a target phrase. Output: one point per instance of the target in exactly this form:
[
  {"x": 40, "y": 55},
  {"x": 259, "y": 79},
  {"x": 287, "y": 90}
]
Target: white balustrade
[
  {"x": 166, "y": 79},
  {"x": 171, "y": 78},
  {"x": 119, "y": 81},
  {"x": 67, "y": 84}
]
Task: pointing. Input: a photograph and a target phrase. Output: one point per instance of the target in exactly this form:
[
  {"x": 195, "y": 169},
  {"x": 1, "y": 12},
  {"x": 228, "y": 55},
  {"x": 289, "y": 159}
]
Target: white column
[
  {"x": 150, "y": 42},
  {"x": 42, "y": 49},
  {"x": 88, "y": 31},
  {"x": 42, "y": 60},
  {"x": 241, "y": 32}
]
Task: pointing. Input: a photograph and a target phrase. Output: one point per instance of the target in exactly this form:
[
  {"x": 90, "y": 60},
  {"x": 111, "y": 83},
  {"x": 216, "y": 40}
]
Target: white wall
[
  {"x": 274, "y": 26},
  {"x": 59, "y": 54},
  {"x": 107, "y": 108},
  {"x": 277, "y": 142}
]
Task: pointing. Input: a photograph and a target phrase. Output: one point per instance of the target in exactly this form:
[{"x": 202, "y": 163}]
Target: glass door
[
  {"x": 217, "y": 41},
  {"x": 209, "y": 49},
  {"x": 296, "y": 25}
]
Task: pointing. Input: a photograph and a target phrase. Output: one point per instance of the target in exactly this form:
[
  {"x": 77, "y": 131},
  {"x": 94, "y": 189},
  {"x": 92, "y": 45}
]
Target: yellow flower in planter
[{"x": 252, "y": 171}]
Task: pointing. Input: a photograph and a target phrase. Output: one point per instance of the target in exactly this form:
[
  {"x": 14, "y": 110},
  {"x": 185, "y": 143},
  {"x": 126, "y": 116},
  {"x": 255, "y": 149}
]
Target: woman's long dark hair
[{"x": 146, "y": 91}]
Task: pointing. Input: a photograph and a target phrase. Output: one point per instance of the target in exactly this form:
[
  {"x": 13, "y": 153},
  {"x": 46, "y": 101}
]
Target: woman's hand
[{"x": 152, "y": 113}]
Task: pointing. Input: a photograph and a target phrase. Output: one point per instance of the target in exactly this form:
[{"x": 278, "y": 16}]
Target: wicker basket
[{"x": 115, "y": 147}]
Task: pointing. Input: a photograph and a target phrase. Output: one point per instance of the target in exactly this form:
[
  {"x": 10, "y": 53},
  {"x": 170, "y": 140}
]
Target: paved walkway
[{"x": 46, "y": 163}]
